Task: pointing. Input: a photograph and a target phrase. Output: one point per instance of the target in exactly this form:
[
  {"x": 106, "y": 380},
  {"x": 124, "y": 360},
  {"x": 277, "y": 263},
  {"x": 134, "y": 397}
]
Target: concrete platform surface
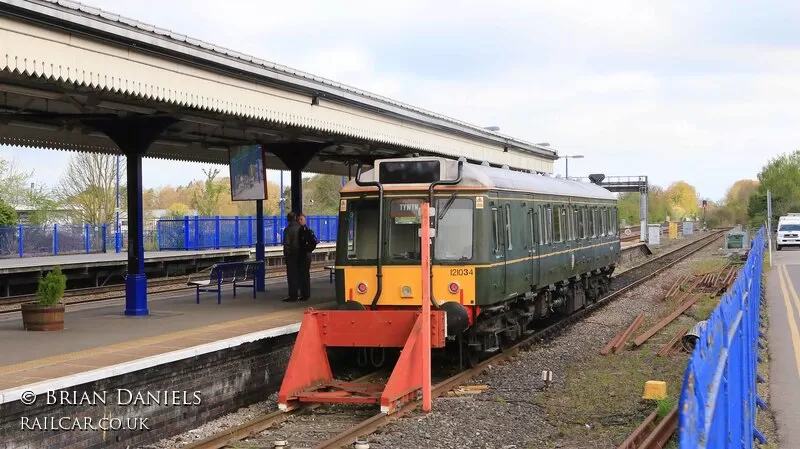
[
  {"x": 99, "y": 336},
  {"x": 783, "y": 302}
]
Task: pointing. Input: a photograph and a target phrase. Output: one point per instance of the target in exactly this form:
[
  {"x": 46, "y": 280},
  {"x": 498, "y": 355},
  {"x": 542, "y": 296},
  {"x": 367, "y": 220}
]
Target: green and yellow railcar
[{"x": 509, "y": 247}]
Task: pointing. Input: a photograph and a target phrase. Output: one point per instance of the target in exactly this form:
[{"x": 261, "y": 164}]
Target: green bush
[
  {"x": 51, "y": 288},
  {"x": 8, "y": 216}
]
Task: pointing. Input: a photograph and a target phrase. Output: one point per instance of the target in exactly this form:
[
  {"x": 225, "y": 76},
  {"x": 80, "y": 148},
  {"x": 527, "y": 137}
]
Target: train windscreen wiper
[{"x": 447, "y": 205}]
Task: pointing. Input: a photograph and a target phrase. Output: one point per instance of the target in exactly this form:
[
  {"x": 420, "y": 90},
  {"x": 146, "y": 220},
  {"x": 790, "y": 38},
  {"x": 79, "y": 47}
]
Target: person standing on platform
[
  {"x": 308, "y": 243},
  {"x": 292, "y": 255}
]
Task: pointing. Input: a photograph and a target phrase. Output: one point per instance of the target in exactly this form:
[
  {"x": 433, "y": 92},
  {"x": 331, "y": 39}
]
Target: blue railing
[
  {"x": 718, "y": 400},
  {"x": 52, "y": 240},
  {"x": 195, "y": 233}
]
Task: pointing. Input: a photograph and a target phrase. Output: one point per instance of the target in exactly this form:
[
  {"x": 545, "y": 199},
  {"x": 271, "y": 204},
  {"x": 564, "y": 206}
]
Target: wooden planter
[{"x": 36, "y": 317}]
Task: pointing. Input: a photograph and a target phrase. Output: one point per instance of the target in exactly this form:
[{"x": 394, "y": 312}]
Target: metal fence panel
[
  {"x": 718, "y": 399},
  {"x": 191, "y": 233}
]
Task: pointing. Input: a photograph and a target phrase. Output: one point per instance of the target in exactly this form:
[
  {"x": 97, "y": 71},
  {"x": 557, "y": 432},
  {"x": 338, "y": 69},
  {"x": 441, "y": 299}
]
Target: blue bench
[
  {"x": 331, "y": 269},
  {"x": 236, "y": 273}
]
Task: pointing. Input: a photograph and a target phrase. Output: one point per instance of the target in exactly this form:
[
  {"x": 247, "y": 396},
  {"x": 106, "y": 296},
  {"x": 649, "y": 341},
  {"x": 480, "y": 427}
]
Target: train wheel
[{"x": 469, "y": 354}]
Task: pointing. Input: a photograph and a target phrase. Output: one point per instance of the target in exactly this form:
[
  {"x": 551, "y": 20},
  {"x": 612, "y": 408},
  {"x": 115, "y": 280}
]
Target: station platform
[
  {"x": 19, "y": 276},
  {"x": 783, "y": 301},
  {"x": 37, "y": 264},
  {"x": 99, "y": 342}
]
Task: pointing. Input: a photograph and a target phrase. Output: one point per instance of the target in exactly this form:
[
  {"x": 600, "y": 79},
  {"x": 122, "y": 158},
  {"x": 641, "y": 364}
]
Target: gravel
[
  {"x": 506, "y": 416},
  {"x": 210, "y": 428}
]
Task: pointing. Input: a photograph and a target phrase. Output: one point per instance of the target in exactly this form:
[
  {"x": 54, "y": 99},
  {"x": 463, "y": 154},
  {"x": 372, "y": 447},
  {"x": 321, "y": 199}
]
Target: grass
[
  {"x": 704, "y": 306},
  {"x": 664, "y": 406},
  {"x": 706, "y": 266},
  {"x": 606, "y": 393}
]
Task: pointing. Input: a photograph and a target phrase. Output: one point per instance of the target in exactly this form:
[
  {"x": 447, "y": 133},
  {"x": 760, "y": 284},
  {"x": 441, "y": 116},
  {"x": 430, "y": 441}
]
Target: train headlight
[
  {"x": 361, "y": 287},
  {"x": 405, "y": 291},
  {"x": 454, "y": 287}
]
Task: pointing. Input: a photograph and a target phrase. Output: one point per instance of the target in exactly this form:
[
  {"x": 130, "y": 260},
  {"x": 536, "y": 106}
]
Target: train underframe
[{"x": 499, "y": 326}]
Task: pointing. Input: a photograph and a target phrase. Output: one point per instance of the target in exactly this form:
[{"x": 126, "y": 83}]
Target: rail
[
  {"x": 622, "y": 283},
  {"x": 718, "y": 399}
]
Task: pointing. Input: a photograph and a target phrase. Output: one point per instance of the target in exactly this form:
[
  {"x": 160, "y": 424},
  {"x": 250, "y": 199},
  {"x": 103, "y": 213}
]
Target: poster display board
[{"x": 248, "y": 180}]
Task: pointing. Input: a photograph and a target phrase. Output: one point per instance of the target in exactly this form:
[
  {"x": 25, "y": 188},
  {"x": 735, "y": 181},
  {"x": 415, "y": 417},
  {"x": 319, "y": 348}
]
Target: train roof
[{"x": 485, "y": 177}]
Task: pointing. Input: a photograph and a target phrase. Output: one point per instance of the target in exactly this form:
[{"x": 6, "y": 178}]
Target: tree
[
  {"x": 781, "y": 176},
  {"x": 89, "y": 186},
  {"x": 14, "y": 184},
  {"x": 17, "y": 190},
  {"x": 737, "y": 200},
  {"x": 658, "y": 206},
  {"x": 8, "y": 216},
  {"x": 682, "y": 198},
  {"x": 320, "y": 195},
  {"x": 177, "y": 210},
  {"x": 206, "y": 198}
]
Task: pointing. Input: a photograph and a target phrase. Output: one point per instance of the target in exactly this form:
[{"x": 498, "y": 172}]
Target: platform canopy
[{"x": 63, "y": 65}]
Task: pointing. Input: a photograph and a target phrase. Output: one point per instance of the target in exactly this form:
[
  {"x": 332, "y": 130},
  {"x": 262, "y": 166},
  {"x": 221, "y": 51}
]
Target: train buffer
[{"x": 309, "y": 379}]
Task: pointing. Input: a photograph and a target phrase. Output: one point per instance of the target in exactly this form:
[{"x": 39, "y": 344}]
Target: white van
[{"x": 788, "y": 231}]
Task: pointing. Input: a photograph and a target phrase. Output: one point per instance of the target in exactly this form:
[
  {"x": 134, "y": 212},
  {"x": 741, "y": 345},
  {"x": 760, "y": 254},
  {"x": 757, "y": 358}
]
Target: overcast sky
[{"x": 706, "y": 91}]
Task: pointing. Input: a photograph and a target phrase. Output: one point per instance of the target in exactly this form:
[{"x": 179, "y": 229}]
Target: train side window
[
  {"x": 508, "y": 225},
  {"x": 362, "y": 233},
  {"x": 548, "y": 227},
  {"x": 556, "y": 224},
  {"x": 596, "y": 222},
  {"x": 454, "y": 238},
  {"x": 540, "y": 224},
  {"x": 571, "y": 220},
  {"x": 590, "y": 231},
  {"x": 351, "y": 234},
  {"x": 496, "y": 228},
  {"x": 614, "y": 221},
  {"x": 604, "y": 221},
  {"x": 579, "y": 215}
]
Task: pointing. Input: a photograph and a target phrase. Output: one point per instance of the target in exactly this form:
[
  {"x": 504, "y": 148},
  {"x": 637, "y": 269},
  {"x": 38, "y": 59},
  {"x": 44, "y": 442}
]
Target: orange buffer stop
[{"x": 309, "y": 378}]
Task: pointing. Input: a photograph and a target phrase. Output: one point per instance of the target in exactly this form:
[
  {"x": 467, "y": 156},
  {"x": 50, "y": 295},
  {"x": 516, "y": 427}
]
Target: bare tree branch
[{"x": 89, "y": 186}]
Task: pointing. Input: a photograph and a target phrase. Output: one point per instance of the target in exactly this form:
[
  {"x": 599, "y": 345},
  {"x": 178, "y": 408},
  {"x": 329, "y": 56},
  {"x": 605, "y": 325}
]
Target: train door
[
  {"x": 499, "y": 251},
  {"x": 532, "y": 246}
]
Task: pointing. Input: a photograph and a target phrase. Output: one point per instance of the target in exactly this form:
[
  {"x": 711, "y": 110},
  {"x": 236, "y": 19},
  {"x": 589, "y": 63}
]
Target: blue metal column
[
  {"x": 136, "y": 280},
  {"x": 133, "y": 135},
  {"x": 297, "y": 190},
  {"x": 260, "y": 277}
]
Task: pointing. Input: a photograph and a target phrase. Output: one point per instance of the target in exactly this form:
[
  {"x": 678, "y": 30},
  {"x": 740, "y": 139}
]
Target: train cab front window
[
  {"x": 362, "y": 233},
  {"x": 404, "y": 243},
  {"x": 454, "y": 230}
]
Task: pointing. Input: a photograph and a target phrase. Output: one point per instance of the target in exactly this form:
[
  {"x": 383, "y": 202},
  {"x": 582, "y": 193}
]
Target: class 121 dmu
[{"x": 509, "y": 247}]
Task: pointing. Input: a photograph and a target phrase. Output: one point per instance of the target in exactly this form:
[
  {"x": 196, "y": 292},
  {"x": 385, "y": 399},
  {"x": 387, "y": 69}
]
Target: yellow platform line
[
  {"x": 785, "y": 279},
  {"x": 118, "y": 347}
]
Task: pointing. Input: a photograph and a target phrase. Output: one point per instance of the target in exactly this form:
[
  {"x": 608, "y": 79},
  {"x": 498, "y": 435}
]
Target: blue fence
[
  {"x": 50, "y": 240},
  {"x": 718, "y": 400},
  {"x": 194, "y": 233}
]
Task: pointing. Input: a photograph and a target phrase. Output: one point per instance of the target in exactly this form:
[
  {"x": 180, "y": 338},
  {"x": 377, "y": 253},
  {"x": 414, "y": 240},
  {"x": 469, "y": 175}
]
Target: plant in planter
[{"x": 47, "y": 314}]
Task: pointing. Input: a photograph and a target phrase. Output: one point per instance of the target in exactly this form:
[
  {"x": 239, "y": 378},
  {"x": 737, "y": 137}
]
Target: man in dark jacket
[
  {"x": 292, "y": 255},
  {"x": 307, "y": 244}
]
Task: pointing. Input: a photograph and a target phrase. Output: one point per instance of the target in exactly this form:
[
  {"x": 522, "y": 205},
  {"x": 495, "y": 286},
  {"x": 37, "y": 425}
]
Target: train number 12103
[{"x": 461, "y": 272}]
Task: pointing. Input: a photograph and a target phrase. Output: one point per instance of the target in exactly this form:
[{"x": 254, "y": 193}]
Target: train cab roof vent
[
  {"x": 597, "y": 178},
  {"x": 485, "y": 163}
]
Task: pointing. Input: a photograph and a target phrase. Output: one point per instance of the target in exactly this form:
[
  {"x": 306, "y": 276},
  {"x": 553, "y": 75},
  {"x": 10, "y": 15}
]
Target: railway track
[
  {"x": 309, "y": 426},
  {"x": 117, "y": 291}
]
